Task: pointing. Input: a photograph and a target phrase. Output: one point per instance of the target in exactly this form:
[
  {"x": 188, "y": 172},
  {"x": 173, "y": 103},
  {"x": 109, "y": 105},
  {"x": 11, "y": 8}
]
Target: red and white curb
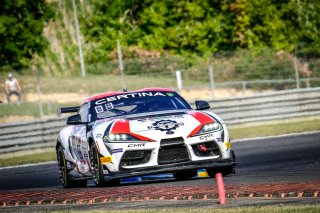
[{"x": 144, "y": 193}]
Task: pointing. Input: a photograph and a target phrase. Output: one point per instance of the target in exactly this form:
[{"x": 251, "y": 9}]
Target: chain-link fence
[{"x": 232, "y": 73}]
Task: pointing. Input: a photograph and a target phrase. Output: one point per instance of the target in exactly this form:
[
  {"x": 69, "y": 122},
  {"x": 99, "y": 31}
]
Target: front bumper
[{"x": 172, "y": 168}]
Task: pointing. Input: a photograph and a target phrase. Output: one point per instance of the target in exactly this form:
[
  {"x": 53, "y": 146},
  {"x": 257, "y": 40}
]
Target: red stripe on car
[
  {"x": 203, "y": 119},
  {"x": 123, "y": 127}
]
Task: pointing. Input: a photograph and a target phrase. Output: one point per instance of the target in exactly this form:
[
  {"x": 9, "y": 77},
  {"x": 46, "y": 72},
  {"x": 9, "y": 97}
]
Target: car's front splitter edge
[{"x": 171, "y": 168}]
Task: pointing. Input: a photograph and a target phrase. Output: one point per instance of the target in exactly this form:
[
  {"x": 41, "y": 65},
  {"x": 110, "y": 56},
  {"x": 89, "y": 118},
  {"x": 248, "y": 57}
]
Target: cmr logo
[
  {"x": 134, "y": 145},
  {"x": 206, "y": 137}
]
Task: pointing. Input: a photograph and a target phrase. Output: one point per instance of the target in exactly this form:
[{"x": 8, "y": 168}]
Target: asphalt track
[
  {"x": 293, "y": 158},
  {"x": 278, "y": 160}
]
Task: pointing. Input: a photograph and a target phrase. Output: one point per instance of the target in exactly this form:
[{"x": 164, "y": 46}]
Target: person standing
[{"x": 12, "y": 87}]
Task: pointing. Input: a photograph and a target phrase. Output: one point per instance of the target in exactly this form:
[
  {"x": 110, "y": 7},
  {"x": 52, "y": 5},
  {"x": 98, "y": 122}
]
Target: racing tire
[
  {"x": 226, "y": 170},
  {"x": 97, "y": 171},
  {"x": 186, "y": 175},
  {"x": 65, "y": 179}
]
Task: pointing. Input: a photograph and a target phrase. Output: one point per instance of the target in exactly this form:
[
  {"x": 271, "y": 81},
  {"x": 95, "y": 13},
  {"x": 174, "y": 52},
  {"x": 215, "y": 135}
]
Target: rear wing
[{"x": 67, "y": 110}]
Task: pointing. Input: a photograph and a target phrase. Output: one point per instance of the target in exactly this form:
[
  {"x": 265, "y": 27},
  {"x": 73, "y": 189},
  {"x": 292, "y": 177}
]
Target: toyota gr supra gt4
[{"x": 117, "y": 135}]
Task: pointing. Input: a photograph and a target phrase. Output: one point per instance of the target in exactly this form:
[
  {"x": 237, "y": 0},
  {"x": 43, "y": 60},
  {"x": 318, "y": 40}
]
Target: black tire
[
  {"x": 97, "y": 171},
  {"x": 184, "y": 175},
  {"x": 226, "y": 170},
  {"x": 65, "y": 179}
]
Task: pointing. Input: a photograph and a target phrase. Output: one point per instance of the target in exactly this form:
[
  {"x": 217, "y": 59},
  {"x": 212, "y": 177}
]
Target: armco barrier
[{"x": 284, "y": 104}]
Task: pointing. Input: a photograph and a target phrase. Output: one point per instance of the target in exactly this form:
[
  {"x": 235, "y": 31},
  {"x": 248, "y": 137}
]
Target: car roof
[{"x": 108, "y": 94}]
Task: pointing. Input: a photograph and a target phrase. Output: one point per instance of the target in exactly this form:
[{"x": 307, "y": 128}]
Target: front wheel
[
  {"x": 65, "y": 179},
  {"x": 97, "y": 171}
]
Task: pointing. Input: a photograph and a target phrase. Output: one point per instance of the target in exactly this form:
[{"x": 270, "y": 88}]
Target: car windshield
[{"x": 134, "y": 103}]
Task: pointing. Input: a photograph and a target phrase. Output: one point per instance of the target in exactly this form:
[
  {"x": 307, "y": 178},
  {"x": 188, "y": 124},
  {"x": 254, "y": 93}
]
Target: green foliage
[
  {"x": 200, "y": 26},
  {"x": 21, "y": 27}
]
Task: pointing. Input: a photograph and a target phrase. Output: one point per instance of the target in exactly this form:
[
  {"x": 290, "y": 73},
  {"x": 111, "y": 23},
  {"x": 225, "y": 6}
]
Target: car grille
[
  {"x": 135, "y": 157},
  {"x": 211, "y": 147},
  {"x": 172, "y": 150}
]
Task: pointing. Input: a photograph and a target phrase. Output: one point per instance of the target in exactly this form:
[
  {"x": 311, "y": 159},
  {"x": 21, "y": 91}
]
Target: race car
[{"x": 117, "y": 135}]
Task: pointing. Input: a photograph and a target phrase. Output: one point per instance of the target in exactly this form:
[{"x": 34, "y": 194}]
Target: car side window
[{"x": 83, "y": 111}]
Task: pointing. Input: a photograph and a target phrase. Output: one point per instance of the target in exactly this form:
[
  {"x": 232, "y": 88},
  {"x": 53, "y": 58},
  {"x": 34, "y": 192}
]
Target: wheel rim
[
  {"x": 95, "y": 164},
  {"x": 62, "y": 167}
]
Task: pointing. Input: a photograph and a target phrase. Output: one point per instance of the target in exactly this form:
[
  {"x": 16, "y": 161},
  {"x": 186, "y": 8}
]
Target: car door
[{"x": 79, "y": 143}]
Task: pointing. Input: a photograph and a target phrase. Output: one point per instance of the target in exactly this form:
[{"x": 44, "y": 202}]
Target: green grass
[
  {"x": 30, "y": 158},
  {"x": 259, "y": 209},
  {"x": 236, "y": 132},
  {"x": 274, "y": 128}
]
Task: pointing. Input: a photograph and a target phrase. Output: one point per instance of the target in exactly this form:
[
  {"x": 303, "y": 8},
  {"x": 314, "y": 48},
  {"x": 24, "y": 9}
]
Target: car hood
[{"x": 157, "y": 126}]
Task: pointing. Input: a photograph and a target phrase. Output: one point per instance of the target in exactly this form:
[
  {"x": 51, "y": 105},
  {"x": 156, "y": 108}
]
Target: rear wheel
[
  {"x": 185, "y": 175},
  {"x": 97, "y": 171},
  {"x": 65, "y": 179}
]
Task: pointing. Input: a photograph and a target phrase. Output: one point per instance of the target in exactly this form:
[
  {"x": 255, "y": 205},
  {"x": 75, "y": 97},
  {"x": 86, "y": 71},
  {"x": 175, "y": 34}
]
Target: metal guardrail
[{"x": 284, "y": 104}]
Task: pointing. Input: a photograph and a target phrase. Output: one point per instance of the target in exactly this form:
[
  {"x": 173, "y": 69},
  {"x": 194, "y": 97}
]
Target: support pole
[
  {"x": 296, "y": 70},
  {"x": 222, "y": 193},
  {"x": 179, "y": 81},
  {"x": 39, "y": 91},
  {"x": 211, "y": 75},
  {"x": 83, "y": 71},
  {"x": 121, "y": 67}
]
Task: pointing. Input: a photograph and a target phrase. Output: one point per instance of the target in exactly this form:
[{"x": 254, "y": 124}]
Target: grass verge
[
  {"x": 274, "y": 128},
  {"x": 30, "y": 158},
  {"x": 236, "y": 132}
]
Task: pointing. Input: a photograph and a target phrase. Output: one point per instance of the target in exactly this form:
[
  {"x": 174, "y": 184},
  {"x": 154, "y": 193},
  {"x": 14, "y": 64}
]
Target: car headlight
[
  {"x": 210, "y": 127},
  {"x": 119, "y": 138}
]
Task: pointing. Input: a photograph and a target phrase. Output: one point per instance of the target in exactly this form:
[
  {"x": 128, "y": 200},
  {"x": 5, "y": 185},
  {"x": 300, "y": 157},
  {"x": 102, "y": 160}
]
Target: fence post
[
  {"x": 211, "y": 75},
  {"x": 244, "y": 87},
  {"x": 121, "y": 67},
  {"x": 179, "y": 80},
  {"x": 296, "y": 70},
  {"x": 38, "y": 89}
]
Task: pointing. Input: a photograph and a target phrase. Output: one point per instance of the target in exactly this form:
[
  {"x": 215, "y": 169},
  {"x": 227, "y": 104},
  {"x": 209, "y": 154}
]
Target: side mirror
[
  {"x": 74, "y": 119},
  {"x": 201, "y": 105}
]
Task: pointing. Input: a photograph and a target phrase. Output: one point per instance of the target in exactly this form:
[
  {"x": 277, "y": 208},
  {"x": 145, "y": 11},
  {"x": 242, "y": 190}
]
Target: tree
[
  {"x": 21, "y": 27},
  {"x": 201, "y": 26}
]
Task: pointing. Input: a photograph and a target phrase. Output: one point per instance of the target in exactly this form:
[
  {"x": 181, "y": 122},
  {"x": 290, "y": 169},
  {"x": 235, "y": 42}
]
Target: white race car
[{"x": 149, "y": 131}]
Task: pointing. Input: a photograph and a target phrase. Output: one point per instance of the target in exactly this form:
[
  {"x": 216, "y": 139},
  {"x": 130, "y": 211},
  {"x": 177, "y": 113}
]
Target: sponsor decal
[
  {"x": 116, "y": 150},
  {"x": 106, "y": 159},
  {"x": 219, "y": 139},
  {"x": 167, "y": 126},
  {"x": 143, "y": 120},
  {"x": 137, "y": 145},
  {"x": 126, "y": 96},
  {"x": 227, "y": 145},
  {"x": 99, "y": 135},
  {"x": 206, "y": 137}
]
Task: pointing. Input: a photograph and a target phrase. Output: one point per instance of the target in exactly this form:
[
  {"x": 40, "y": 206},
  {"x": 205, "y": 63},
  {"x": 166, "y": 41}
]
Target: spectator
[{"x": 12, "y": 87}]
